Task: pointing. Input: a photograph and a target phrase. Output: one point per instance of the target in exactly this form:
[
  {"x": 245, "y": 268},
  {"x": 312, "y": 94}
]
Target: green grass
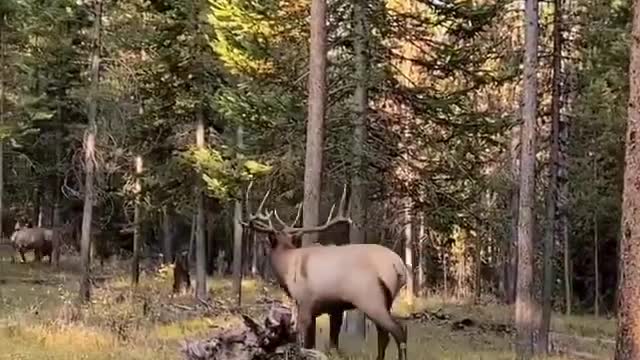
[{"x": 39, "y": 320}]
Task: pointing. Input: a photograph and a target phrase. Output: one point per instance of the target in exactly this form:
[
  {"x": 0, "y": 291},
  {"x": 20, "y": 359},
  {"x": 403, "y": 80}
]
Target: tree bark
[
  {"x": 548, "y": 282},
  {"x": 201, "y": 245},
  {"x": 237, "y": 234},
  {"x": 89, "y": 158},
  {"x": 422, "y": 266},
  {"x": 628, "y": 334},
  {"x": 135, "y": 265},
  {"x": 316, "y": 113},
  {"x": 511, "y": 253},
  {"x": 525, "y": 303},
  {"x": 408, "y": 249},
  {"x": 477, "y": 259},
  {"x": 596, "y": 270},
  {"x": 317, "y": 88},
  {"x": 3, "y": 22},
  {"x": 563, "y": 182},
  {"x": 356, "y": 324}
]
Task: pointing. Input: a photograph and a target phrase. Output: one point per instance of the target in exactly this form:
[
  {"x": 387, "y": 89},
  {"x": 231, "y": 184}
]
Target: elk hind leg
[
  {"x": 383, "y": 342},
  {"x": 376, "y": 306},
  {"x": 335, "y": 322}
]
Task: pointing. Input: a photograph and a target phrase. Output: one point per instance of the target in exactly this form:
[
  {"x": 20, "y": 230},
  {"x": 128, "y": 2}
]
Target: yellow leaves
[{"x": 256, "y": 169}]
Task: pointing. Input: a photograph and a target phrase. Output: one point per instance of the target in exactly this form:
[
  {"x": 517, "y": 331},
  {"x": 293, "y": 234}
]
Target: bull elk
[{"x": 333, "y": 279}]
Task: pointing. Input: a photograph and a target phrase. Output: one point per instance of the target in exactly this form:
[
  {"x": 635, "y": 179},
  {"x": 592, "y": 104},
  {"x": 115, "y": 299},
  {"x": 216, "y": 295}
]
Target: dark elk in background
[{"x": 333, "y": 279}]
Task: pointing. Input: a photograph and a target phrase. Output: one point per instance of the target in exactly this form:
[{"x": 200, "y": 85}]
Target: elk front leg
[
  {"x": 303, "y": 326},
  {"x": 21, "y": 251}
]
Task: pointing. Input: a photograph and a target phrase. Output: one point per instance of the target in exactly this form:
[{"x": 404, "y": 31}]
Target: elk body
[
  {"x": 43, "y": 242},
  {"x": 333, "y": 279}
]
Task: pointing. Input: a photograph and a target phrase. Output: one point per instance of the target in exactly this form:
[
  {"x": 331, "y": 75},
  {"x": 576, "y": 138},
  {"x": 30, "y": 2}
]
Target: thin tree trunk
[
  {"x": 35, "y": 216},
  {"x": 628, "y": 334},
  {"x": 201, "y": 245},
  {"x": 422, "y": 266},
  {"x": 89, "y": 158},
  {"x": 316, "y": 113},
  {"x": 548, "y": 282},
  {"x": 445, "y": 271},
  {"x": 477, "y": 255},
  {"x": 567, "y": 270},
  {"x": 3, "y": 22},
  {"x": 135, "y": 266},
  {"x": 596, "y": 270},
  {"x": 356, "y": 323},
  {"x": 237, "y": 235},
  {"x": 408, "y": 249},
  {"x": 525, "y": 308}
]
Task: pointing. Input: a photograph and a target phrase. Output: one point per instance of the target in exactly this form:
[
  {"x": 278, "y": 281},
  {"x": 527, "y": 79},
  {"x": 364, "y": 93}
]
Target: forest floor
[{"x": 38, "y": 320}]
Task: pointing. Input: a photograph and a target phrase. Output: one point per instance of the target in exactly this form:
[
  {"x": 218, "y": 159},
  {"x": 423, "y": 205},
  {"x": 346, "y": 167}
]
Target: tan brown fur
[{"x": 332, "y": 279}]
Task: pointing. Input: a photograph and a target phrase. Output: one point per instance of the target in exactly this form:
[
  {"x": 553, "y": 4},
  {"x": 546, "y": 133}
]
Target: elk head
[{"x": 289, "y": 236}]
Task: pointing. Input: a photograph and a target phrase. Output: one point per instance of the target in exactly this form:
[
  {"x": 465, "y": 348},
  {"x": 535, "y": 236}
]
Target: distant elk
[
  {"x": 43, "y": 242},
  {"x": 333, "y": 279}
]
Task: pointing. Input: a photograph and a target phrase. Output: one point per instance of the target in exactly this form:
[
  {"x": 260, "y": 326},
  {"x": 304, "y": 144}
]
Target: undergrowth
[{"x": 40, "y": 319}]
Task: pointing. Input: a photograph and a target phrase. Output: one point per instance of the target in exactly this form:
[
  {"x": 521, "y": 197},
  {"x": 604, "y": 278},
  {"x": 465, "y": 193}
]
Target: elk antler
[
  {"x": 284, "y": 225},
  {"x": 340, "y": 217},
  {"x": 259, "y": 220}
]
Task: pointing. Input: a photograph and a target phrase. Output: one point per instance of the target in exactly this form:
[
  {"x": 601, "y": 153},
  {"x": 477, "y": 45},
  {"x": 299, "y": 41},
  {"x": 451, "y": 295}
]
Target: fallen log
[{"x": 252, "y": 341}]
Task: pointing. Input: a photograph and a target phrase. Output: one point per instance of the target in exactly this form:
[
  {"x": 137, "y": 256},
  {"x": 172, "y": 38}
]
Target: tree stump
[{"x": 252, "y": 341}]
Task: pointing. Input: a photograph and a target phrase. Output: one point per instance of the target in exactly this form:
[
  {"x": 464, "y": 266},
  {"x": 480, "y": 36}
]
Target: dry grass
[{"x": 39, "y": 319}]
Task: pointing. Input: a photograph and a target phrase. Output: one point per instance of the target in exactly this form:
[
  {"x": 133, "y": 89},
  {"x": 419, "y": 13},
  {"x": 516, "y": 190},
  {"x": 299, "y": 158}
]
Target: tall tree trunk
[
  {"x": 167, "y": 234},
  {"x": 317, "y": 89},
  {"x": 422, "y": 259},
  {"x": 201, "y": 245},
  {"x": 3, "y": 22},
  {"x": 596, "y": 270},
  {"x": 237, "y": 234},
  {"x": 315, "y": 126},
  {"x": 89, "y": 158},
  {"x": 254, "y": 259},
  {"x": 511, "y": 253},
  {"x": 569, "y": 94},
  {"x": 628, "y": 334},
  {"x": 356, "y": 323},
  {"x": 408, "y": 249},
  {"x": 35, "y": 216},
  {"x": 525, "y": 307},
  {"x": 477, "y": 259},
  {"x": 548, "y": 281},
  {"x": 135, "y": 264},
  {"x": 445, "y": 270}
]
